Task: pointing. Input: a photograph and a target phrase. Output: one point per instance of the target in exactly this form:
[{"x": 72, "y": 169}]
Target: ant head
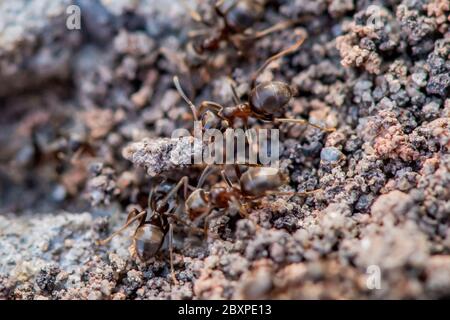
[
  {"x": 156, "y": 202},
  {"x": 147, "y": 240},
  {"x": 162, "y": 207}
]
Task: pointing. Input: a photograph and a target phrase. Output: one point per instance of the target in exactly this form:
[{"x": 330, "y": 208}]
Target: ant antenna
[
  {"x": 126, "y": 225},
  {"x": 176, "y": 82},
  {"x": 289, "y": 50}
]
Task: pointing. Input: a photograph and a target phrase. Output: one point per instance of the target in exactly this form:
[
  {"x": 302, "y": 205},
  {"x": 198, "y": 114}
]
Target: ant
[
  {"x": 255, "y": 183},
  {"x": 162, "y": 213},
  {"x": 267, "y": 101},
  {"x": 155, "y": 223},
  {"x": 237, "y": 17}
]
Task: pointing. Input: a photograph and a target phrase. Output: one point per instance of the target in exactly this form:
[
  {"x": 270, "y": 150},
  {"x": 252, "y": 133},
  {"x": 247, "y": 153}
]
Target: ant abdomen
[
  {"x": 256, "y": 181},
  {"x": 147, "y": 240},
  {"x": 243, "y": 15},
  {"x": 268, "y": 99}
]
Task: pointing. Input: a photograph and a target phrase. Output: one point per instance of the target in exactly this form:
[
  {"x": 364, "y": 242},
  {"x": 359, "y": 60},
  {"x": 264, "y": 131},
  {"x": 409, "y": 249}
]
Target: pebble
[{"x": 331, "y": 154}]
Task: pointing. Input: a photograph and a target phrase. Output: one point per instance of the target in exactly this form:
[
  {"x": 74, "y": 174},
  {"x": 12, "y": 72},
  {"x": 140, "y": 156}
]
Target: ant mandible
[{"x": 267, "y": 100}]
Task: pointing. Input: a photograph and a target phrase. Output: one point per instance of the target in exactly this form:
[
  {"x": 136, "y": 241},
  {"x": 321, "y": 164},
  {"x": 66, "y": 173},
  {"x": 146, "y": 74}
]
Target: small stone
[
  {"x": 431, "y": 110},
  {"x": 331, "y": 154},
  {"x": 439, "y": 84},
  {"x": 419, "y": 78}
]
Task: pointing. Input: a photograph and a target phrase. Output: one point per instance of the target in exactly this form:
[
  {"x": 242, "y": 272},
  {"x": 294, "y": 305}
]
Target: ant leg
[
  {"x": 177, "y": 84},
  {"x": 183, "y": 182},
  {"x": 172, "y": 270},
  {"x": 289, "y": 50},
  {"x": 242, "y": 209},
  {"x": 198, "y": 33},
  {"x": 226, "y": 178},
  {"x": 196, "y": 220},
  {"x": 238, "y": 39},
  {"x": 76, "y": 157},
  {"x": 133, "y": 213},
  {"x": 275, "y": 28},
  {"x": 195, "y": 229},
  {"x": 257, "y": 165},
  {"x": 302, "y": 121},
  {"x": 126, "y": 225},
  {"x": 207, "y": 215},
  {"x": 206, "y": 172},
  {"x": 292, "y": 193},
  {"x": 237, "y": 170},
  {"x": 211, "y": 106},
  {"x": 149, "y": 200}
]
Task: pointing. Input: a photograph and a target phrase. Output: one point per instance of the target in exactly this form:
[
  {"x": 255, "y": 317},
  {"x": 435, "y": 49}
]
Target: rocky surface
[{"x": 73, "y": 129}]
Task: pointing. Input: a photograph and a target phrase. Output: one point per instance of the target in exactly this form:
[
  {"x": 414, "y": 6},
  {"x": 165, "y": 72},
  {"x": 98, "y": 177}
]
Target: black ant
[
  {"x": 162, "y": 214},
  {"x": 267, "y": 101},
  {"x": 255, "y": 183},
  {"x": 155, "y": 223},
  {"x": 237, "y": 17}
]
